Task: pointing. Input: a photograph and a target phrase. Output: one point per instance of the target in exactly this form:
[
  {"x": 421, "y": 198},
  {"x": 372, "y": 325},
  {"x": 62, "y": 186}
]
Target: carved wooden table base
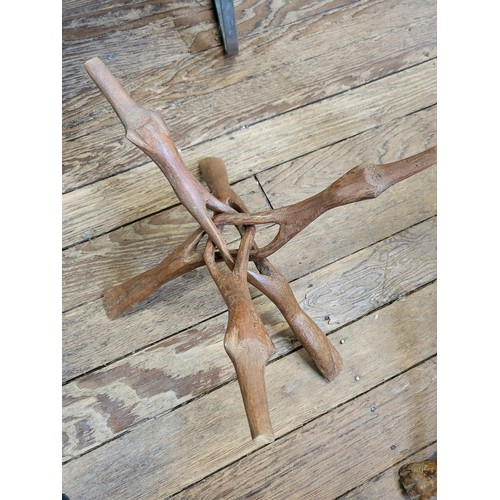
[{"x": 246, "y": 341}]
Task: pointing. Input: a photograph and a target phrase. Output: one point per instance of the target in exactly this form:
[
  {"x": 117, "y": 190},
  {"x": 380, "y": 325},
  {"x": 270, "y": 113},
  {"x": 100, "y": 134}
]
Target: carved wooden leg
[{"x": 246, "y": 341}]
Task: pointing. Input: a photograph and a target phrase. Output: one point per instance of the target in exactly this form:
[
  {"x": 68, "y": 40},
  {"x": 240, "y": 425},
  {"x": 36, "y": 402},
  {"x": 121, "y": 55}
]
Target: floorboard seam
[
  {"x": 263, "y": 192},
  {"x": 395, "y": 464}
]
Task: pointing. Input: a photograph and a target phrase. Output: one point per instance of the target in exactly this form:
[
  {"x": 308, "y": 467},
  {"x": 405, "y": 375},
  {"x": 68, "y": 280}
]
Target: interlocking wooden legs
[
  {"x": 360, "y": 183},
  {"x": 273, "y": 284},
  {"x": 246, "y": 341}
]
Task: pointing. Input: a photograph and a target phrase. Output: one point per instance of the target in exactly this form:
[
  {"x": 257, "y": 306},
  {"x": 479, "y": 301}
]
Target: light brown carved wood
[
  {"x": 90, "y": 268},
  {"x": 407, "y": 405}
]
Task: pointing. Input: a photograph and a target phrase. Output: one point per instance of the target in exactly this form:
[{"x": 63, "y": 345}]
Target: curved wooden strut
[
  {"x": 273, "y": 284},
  {"x": 246, "y": 341},
  {"x": 360, "y": 183},
  {"x": 147, "y": 130}
]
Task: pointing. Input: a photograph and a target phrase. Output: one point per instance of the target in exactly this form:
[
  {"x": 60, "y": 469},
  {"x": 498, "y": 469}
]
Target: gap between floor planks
[
  {"x": 305, "y": 463},
  {"x": 193, "y": 298},
  {"x": 386, "y": 484},
  {"x": 377, "y": 38},
  {"x": 187, "y": 124}
]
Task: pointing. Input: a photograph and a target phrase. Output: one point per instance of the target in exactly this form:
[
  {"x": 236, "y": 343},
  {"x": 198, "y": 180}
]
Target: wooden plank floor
[{"x": 151, "y": 407}]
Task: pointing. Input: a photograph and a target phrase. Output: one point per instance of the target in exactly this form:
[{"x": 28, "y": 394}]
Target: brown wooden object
[
  {"x": 246, "y": 341},
  {"x": 273, "y": 284},
  {"x": 291, "y": 219},
  {"x": 248, "y": 356},
  {"x": 419, "y": 479},
  {"x": 360, "y": 183},
  {"x": 147, "y": 130},
  {"x": 121, "y": 298}
]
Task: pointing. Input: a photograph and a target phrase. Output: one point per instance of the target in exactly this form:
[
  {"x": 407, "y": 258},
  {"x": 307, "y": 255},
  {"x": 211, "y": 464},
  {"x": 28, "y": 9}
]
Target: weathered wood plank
[
  {"x": 349, "y": 228},
  {"x": 193, "y": 298},
  {"x": 201, "y": 75},
  {"x": 303, "y": 63},
  {"x": 166, "y": 454},
  {"x": 91, "y": 267},
  {"x": 201, "y": 31},
  {"x": 315, "y": 72},
  {"x": 119, "y": 200},
  {"x": 305, "y": 176},
  {"x": 196, "y": 21},
  {"x": 119, "y": 53},
  {"x": 330, "y": 455},
  {"x": 157, "y": 420},
  {"x": 387, "y": 484},
  {"x": 108, "y": 402},
  {"x": 88, "y": 19}
]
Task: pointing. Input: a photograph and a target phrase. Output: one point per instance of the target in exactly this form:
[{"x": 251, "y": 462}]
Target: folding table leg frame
[{"x": 246, "y": 341}]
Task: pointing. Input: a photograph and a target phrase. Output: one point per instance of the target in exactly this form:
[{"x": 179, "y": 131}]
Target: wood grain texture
[
  {"x": 301, "y": 63},
  {"x": 166, "y": 454},
  {"x": 78, "y": 90},
  {"x": 305, "y": 176},
  {"x": 151, "y": 407},
  {"x": 110, "y": 401},
  {"x": 121, "y": 199},
  {"x": 317, "y": 39},
  {"x": 311, "y": 465},
  {"x": 196, "y": 21},
  {"x": 200, "y": 30},
  {"x": 89, "y": 19}
]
